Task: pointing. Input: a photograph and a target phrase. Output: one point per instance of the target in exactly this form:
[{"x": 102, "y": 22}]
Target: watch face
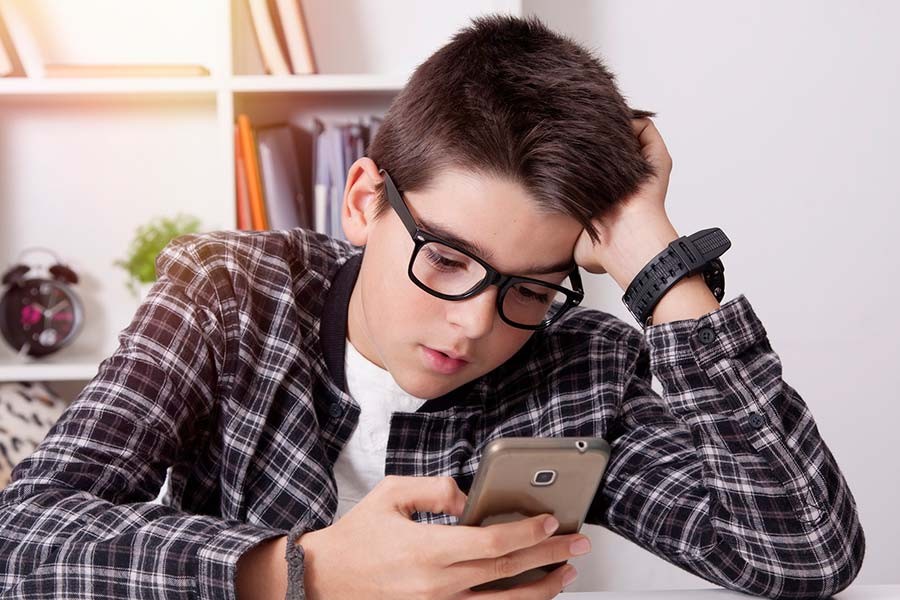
[
  {"x": 714, "y": 275},
  {"x": 43, "y": 314}
]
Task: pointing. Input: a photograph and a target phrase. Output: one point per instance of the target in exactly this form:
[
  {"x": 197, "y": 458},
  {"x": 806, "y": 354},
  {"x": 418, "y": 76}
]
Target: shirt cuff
[
  {"x": 723, "y": 333},
  {"x": 219, "y": 557},
  {"x": 295, "y": 557}
]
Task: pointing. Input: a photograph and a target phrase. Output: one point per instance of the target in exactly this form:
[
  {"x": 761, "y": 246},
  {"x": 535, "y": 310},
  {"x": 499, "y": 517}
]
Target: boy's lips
[
  {"x": 451, "y": 354},
  {"x": 441, "y": 362}
]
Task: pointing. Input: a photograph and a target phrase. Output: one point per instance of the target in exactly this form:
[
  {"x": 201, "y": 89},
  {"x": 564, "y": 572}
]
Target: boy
[{"x": 324, "y": 409}]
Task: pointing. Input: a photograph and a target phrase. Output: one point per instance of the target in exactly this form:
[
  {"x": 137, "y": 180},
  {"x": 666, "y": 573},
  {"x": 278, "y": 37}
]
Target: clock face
[{"x": 43, "y": 314}]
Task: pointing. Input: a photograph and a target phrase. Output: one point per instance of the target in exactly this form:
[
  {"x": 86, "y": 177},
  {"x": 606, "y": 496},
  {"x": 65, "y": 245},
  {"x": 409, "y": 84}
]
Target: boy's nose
[{"x": 475, "y": 315}]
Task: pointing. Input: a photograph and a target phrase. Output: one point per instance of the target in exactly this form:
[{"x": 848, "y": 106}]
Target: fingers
[
  {"x": 457, "y": 543},
  {"x": 423, "y": 494},
  {"x": 653, "y": 148},
  {"x": 548, "y": 586},
  {"x": 557, "y": 549}
]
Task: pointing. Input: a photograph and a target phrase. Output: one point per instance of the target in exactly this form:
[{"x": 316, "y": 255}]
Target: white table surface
[{"x": 854, "y": 592}]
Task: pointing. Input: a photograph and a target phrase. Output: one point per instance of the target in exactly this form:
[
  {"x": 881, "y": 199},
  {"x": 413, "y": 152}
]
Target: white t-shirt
[{"x": 360, "y": 465}]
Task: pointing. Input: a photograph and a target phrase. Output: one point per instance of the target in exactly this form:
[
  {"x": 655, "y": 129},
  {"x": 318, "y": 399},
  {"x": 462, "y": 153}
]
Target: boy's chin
[{"x": 426, "y": 385}]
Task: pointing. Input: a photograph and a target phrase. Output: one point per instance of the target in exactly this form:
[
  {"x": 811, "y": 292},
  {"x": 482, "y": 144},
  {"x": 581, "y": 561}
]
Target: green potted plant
[{"x": 148, "y": 242}]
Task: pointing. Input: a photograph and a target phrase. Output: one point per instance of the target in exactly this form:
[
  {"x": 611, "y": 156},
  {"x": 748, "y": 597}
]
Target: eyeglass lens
[{"x": 447, "y": 271}]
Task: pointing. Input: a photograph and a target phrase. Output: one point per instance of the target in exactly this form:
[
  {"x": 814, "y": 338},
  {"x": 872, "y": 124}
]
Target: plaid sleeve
[
  {"x": 77, "y": 518},
  {"x": 726, "y": 476}
]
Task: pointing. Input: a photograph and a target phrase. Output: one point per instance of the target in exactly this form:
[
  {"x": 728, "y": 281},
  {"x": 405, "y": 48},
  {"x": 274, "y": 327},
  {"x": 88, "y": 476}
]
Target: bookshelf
[{"x": 84, "y": 162}]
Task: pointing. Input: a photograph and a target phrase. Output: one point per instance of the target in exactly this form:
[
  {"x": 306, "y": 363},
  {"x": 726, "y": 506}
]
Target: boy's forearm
[
  {"x": 689, "y": 298},
  {"x": 262, "y": 571}
]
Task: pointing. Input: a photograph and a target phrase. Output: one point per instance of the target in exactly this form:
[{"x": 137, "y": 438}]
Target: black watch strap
[{"x": 682, "y": 257}]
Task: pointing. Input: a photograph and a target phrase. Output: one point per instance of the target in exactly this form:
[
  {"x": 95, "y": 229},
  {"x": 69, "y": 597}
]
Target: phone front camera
[{"x": 546, "y": 477}]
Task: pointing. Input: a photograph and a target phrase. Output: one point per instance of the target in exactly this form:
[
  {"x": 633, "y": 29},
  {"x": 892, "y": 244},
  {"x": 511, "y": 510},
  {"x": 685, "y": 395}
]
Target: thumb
[{"x": 425, "y": 494}]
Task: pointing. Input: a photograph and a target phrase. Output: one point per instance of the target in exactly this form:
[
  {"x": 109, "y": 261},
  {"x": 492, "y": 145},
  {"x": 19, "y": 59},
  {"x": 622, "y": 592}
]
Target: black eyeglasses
[{"x": 446, "y": 271}]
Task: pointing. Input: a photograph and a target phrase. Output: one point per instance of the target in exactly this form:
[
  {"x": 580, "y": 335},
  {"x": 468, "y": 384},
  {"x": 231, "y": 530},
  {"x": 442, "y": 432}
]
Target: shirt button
[
  {"x": 706, "y": 335},
  {"x": 335, "y": 410},
  {"x": 756, "y": 420}
]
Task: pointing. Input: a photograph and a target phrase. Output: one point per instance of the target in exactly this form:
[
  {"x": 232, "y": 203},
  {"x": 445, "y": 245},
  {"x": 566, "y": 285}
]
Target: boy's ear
[{"x": 358, "y": 209}]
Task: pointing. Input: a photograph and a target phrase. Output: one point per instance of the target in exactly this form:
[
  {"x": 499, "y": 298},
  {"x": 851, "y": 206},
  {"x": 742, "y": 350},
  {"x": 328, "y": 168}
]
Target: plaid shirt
[{"x": 231, "y": 372}]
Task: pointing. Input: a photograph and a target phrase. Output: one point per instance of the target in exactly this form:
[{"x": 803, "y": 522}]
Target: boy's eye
[
  {"x": 441, "y": 261},
  {"x": 532, "y": 295}
]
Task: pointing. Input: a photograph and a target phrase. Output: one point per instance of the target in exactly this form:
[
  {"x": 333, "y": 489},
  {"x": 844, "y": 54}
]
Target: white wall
[{"x": 782, "y": 121}]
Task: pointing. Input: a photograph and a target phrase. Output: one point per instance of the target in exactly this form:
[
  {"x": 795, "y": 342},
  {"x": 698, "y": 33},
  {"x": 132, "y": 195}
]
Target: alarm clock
[{"x": 40, "y": 313}]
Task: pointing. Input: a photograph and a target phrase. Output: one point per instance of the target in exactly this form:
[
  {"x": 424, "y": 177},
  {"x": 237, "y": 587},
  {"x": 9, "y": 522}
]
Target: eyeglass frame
[{"x": 492, "y": 276}]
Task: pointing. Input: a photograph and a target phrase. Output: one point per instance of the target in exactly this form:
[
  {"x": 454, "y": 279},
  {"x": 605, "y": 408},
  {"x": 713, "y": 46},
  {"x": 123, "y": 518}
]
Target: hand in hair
[{"x": 638, "y": 228}]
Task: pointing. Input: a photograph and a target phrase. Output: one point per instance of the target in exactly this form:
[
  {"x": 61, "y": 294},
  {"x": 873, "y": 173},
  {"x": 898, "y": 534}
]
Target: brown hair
[{"x": 510, "y": 98}]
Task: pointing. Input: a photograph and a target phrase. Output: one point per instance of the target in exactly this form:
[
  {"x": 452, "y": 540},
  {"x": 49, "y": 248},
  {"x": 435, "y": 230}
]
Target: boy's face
[{"x": 391, "y": 321}]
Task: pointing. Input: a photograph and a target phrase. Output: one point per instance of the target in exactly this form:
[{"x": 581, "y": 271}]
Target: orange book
[
  {"x": 244, "y": 218},
  {"x": 254, "y": 182}
]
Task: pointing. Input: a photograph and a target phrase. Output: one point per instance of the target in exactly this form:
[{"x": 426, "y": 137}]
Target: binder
[{"x": 281, "y": 177}]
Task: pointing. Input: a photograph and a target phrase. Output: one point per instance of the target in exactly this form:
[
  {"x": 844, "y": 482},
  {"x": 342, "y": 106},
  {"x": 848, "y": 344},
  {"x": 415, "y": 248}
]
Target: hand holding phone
[
  {"x": 520, "y": 477},
  {"x": 377, "y": 551}
]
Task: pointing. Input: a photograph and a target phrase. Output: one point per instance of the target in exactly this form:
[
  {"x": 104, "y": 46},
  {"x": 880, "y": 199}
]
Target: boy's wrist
[
  {"x": 262, "y": 571},
  {"x": 630, "y": 254}
]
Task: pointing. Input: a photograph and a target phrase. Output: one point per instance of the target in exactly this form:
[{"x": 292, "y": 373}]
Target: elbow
[
  {"x": 823, "y": 575},
  {"x": 842, "y": 570}
]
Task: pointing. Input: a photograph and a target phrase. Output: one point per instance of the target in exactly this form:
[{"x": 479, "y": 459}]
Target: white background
[{"x": 781, "y": 119}]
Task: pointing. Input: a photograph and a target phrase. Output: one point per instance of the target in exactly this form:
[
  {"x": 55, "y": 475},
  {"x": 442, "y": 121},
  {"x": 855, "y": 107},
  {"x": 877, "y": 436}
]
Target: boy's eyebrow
[{"x": 439, "y": 230}]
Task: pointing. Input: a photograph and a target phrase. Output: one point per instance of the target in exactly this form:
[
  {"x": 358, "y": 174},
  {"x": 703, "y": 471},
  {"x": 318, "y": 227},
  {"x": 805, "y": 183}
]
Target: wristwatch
[{"x": 685, "y": 256}]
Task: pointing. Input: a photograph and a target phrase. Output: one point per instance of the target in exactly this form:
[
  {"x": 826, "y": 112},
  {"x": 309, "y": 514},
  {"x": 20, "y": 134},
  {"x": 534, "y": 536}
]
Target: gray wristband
[{"x": 294, "y": 557}]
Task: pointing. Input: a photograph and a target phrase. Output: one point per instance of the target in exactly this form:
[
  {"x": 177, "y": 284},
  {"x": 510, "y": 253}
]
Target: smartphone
[{"x": 521, "y": 477}]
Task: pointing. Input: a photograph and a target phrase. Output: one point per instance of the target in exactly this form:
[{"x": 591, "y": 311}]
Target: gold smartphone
[{"x": 520, "y": 477}]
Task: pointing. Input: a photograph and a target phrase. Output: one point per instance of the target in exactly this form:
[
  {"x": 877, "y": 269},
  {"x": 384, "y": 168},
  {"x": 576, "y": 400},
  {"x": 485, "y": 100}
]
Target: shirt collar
[{"x": 333, "y": 338}]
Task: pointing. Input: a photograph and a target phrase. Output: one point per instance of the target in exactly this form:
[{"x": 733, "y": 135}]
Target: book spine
[
  {"x": 242, "y": 195},
  {"x": 6, "y": 66},
  {"x": 251, "y": 162},
  {"x": 278, "y": 28},
  {"x": 8, "y": 49},
  {"x": 297, "y": 37},
  {"x": 274, "y": 61},
  {"x": 22, "y": 39}
]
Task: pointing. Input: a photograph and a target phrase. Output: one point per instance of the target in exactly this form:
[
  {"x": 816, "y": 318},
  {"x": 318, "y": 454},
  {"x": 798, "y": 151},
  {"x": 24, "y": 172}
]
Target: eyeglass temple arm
[
  {"x": 575, "y": 276},
  {"x": 397, "y": 202}
]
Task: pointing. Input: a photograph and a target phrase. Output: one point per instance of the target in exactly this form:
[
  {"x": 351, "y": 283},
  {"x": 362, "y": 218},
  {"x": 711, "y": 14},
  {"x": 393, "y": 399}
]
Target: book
[
  {"x": 274, "y": 61},
  {"x": 281, "y": 177},
  {"x": 6, "y": 65},
  {"x": 242, "y": 195},
  {"x": 103, "y": 70},
  {"x": 278, "y": 28},
  {"x": 6, "y": 48},
  {"x": 322, "y": 175},
  {"x": 296, "y": 34},
  {"x": 337, "y": 146},
  {"x": 23, "y": 41},
  {"x": 251, "y": 163}
]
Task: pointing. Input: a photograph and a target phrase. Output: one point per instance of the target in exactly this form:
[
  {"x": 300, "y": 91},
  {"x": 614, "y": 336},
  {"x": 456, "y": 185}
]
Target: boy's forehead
[{"x": 497, "y": 220}]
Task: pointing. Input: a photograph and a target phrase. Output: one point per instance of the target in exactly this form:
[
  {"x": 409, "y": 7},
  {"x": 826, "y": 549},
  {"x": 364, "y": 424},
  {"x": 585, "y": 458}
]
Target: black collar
[{"x": 333, "y": 338}]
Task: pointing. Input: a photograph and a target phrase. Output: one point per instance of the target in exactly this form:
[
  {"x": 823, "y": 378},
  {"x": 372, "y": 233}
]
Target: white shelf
[
  {"x": 23, "y": 86},
  {"x": 50, "y": 369},
  {"x": 318, "y": 83}
]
